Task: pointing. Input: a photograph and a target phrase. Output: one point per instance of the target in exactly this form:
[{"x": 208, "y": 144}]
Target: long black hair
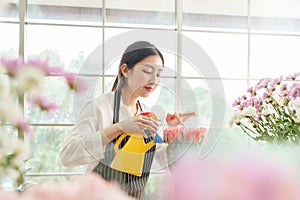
[{"x": 133, "y": 54}]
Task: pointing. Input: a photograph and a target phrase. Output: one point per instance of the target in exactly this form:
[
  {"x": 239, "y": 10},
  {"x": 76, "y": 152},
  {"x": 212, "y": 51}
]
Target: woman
[{"x": 101, "y": 122}]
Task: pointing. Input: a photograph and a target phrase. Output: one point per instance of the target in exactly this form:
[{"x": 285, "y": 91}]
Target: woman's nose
[{"x": 154, "y": 79}]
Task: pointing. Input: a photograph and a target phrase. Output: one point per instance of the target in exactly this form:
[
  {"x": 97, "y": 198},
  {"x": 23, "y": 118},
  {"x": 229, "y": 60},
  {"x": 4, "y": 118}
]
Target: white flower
[
  {"x": 249, "y": 111},
  {"x": 236, "y": 118},
  {"x": 29, "y": 78},
  {"x": 266, "y": 111},
  {"x": 16, "y": 146},
  {"x": 13, "y": 173},
  {"x": 295, "y": 103},
  {"x": 4, "y": 89},
  {"x": 297, "y": 120},
  {"x": 2, "y": 69},
  {"x": 22, "y": 151},
  {"x": 279, "y": 101},
  {"x": 9, "y": 111}
]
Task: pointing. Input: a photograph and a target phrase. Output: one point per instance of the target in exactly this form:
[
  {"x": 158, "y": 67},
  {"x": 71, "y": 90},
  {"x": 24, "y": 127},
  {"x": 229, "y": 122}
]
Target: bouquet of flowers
[
  {"x": 270, "y": 111},
  {"x": 181, "y": 139},
  {"x": 17, "y": 79}
]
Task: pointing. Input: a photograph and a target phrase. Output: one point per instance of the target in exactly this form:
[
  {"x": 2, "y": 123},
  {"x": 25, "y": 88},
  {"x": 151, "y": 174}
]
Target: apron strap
[{"x": 117, "y": 100}]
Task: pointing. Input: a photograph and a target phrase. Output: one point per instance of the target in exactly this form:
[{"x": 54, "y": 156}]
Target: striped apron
[{"x": 132, "y": 184}]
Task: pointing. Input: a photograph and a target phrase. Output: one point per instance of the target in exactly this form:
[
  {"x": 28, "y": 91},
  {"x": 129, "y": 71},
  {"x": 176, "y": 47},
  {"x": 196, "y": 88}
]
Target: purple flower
[
  {"x": 294, "y": 90},
  {"x": 266, "y": 97},
  {"x": 257, "y": 102},
  {"x": 283, "y": 87},
  {"x": 237, "y": 102},
  {"x": 292, "y": 77},
  {"x": 271, "y": 88},
  {"x": 251, "y": 91},
  {"x": 277, "y": 81},
  {"x": 245, "y": 104},
  {"x": 262, "y": 83}
]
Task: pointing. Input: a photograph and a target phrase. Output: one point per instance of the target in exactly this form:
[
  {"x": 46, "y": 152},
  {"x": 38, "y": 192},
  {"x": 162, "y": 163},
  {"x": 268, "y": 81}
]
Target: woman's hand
[
  {"x": 138, "y": 124},
  {"x": 178, "y": 118}
]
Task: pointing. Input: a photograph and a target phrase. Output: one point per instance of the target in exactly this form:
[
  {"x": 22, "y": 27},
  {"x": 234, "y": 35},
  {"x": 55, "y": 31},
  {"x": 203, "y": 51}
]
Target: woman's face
[{"x": 143, "y": 78}]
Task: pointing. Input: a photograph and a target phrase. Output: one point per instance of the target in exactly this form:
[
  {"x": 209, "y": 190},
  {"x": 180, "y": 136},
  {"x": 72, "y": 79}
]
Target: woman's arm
[{"x": 86, "y": 141}]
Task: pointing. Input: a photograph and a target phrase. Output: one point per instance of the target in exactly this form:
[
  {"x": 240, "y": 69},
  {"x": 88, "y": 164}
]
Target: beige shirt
[{"x": 83, "y": 145}]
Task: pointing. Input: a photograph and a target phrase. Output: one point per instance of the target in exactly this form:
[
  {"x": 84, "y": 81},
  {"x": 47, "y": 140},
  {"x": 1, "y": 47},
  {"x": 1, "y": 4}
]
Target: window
[{"x": 206, "y": 44}]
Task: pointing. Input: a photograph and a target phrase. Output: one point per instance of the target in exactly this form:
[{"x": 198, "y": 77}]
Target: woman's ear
[{"x": 124, "y": 70}]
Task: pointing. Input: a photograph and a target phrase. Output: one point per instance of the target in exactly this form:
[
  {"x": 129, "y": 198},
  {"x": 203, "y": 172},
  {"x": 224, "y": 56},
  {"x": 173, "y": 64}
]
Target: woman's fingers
[
  {"x": 187, "y": 115},
  {"x": 147, "y": 123},
  {"x": 178, "y": 117}
]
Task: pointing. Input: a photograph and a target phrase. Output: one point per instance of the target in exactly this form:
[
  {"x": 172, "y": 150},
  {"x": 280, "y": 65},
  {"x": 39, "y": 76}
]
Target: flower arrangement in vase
[{"x": 270, "y": 111}]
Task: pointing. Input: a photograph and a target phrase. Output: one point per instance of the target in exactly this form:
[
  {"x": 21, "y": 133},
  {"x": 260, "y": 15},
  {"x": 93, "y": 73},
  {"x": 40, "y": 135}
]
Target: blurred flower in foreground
[
  {"x": 20, "y": 78},
  {"x": 86, "y": 187},
  {"x": 247, "y": 178},
  {"x": 75, "y": 83},
  {"x": 28, "y": 78}
]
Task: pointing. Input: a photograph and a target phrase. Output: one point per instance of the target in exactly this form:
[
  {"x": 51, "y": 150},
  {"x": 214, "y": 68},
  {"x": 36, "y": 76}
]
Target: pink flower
[
  {"x": 75, "y": 83},
  {"x": 293, "y": 77},
  {"x": 182, "y": 133},
  {"x": 24, "y": 126},
  {"x": 201, "y": 132},
  {"x": 260, "y": 178},
  {"x": 191, "y": 179},
  {"x": 262, "y": 83},
  {"x": 87, "y": 187},
  {"x": 266, "y": 97},
  {"x": 277, "y": 81},
  {"x": 195, "y": 135},
  {"x": 9, "y": 195},
  {"x": 237, "y": 102},
  {"x": 44, "y": 66},
  {"x": 170, "y": 134},
  {"x": 12, "y": 65},
  {"x": 44, "y": 104},
  {"x": 295, "y": 91},
  {"x": 249, "y": 177},
  {"x": 251, "y": 91},
  {"x": 245, "y": 104},
  {"x": 257, "y": 103},
  {"x": 189, "y": 134}
]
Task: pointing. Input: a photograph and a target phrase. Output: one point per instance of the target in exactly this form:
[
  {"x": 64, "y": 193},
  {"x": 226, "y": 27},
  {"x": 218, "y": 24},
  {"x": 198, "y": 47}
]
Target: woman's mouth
[{"x": 149, "y": 89}]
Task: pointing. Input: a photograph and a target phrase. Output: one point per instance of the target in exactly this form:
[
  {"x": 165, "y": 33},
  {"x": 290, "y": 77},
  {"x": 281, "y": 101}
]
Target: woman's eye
[{"x": 147, "y": 72}]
